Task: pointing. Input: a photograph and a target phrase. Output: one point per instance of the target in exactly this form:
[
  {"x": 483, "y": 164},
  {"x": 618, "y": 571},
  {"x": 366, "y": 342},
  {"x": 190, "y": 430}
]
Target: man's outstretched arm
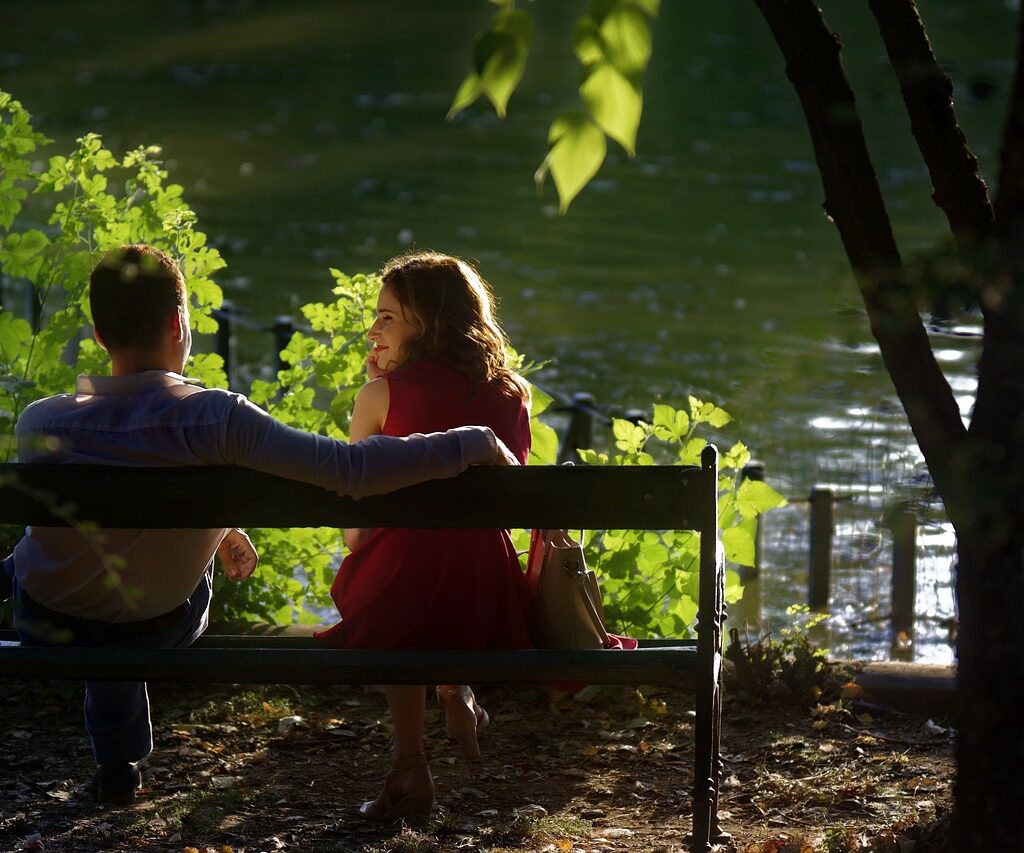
[{"x": 253, "y": 439}]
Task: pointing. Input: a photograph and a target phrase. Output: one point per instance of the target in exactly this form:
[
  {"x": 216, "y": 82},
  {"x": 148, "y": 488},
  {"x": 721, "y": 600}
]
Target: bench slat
[
  {"x": 656, "y": 497},
  {"x": 247, "y": 665}
]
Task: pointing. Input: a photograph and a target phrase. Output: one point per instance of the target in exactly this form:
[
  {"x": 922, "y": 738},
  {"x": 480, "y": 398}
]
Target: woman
[{"x": 438, "y": 361}]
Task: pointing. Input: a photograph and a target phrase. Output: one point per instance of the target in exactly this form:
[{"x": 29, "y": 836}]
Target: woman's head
[{"x": 447, "y": 311}]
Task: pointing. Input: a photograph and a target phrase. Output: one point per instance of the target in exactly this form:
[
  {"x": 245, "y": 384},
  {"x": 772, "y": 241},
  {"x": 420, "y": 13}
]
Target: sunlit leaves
[
  {"x": 21, "y": 254},
  {"x": 17, "y": 140},
  {"x": 739, "y": 545},
  {"x": 754, "y": 497},
  {"x": 208, "y": 369},
  {"x": 708, "y": 413},
  {"x": 626, "y": 37},
  {"x": 670, "y": 424},
  {"x": 499, "y": 58},
  {"x": 614, "y": 103},
  {"x": 650, "y": 579},
  {"x": 577, "y": 152},
  {"x": 92, "y": 201},
  {"x": 543, "y": 439},
  {"x": 612, "y": 42}
]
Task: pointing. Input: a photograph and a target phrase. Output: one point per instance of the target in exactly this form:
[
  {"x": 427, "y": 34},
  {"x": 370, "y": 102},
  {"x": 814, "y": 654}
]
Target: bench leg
[{"x": 707, "y": 766}]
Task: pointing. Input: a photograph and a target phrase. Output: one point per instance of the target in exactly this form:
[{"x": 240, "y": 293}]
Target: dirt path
[{"x": 612, "y": 772}]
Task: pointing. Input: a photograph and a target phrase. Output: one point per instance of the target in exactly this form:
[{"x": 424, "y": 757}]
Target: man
[{"x": 152, "y": 587}]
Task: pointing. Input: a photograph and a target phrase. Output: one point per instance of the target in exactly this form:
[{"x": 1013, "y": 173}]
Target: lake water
[{"x": 312, "y": 134}]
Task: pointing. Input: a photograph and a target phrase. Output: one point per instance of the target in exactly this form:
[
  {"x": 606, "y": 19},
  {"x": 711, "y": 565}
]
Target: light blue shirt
[{"x": 160, "y": 418}]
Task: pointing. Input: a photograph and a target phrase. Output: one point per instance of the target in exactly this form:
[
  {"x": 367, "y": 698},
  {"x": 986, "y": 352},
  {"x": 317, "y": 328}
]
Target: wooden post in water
[
  {"x": 754, "y": 470},
  {"x": 904, "y": 569},
  {"x": 283, "y": 329},
  {"x": 579, "y": 435},
  {"x": 822, "y": 526},
  {"x": 226, "y": 338}
]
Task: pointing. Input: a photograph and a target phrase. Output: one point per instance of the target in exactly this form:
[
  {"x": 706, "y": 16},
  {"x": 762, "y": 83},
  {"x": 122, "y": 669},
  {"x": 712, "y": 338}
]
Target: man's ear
[
  {"x": 177, "y": 325},
  {"x": 99, "y": 340}
]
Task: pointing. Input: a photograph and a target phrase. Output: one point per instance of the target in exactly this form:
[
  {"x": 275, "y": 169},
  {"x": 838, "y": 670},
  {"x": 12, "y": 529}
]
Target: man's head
[{"x": 138, "y": 300}]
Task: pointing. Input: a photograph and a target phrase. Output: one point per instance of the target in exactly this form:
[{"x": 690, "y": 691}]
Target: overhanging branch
[
  {"x": 853, "y": 200},
  {"x": 928, "y": 95},
  {"x": 1009, "y": 204}
]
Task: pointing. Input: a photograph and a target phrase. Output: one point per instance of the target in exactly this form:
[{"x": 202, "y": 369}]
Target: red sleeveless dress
[{"x": 437, "y": 589}]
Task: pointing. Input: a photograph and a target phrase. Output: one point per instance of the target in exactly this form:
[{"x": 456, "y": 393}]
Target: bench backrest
[{"x": 637, "y": 498}]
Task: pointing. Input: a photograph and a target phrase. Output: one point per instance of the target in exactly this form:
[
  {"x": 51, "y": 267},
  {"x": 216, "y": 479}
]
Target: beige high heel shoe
[
  {"x": 408, "y": 793},
  {"x": 463, "y": 717}
]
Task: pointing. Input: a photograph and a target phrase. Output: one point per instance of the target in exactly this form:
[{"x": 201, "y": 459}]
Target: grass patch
[{"x": 202, "y": 812}]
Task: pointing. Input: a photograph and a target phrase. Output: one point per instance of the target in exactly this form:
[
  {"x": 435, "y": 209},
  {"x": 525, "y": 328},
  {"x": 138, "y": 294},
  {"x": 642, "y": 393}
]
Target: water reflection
[{"x": 311, "y": 135}]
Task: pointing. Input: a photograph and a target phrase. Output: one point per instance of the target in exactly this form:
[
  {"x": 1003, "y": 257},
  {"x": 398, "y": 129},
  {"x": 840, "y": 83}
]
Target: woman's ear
[{"x": 99, "y": 340}]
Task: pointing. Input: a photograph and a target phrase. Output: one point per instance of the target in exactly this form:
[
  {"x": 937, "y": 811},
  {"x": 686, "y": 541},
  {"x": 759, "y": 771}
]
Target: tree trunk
[
  {"x": 978, "y": 472},
  {"x": 990, "y": 575},
  {"x": 989, "y": 788}
]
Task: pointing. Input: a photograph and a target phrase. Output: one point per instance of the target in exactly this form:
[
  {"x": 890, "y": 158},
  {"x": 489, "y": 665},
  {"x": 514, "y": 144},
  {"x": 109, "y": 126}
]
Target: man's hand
[
  {"x": 504, "y": 456},
  {"x": 238, "y": 555}
]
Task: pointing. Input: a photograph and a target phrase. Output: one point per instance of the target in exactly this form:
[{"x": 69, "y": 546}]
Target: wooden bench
[{"x": 642, "y": 498}]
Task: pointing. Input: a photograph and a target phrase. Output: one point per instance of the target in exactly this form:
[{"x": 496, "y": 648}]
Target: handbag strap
[{"x": 588, "y": 602}]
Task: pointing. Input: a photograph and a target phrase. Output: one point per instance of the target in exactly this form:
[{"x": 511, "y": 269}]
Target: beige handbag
[{"x": 566, "y": 610}]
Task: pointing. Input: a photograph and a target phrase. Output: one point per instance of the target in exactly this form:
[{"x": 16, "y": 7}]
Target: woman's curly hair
[{"x": 454, "y": 307}]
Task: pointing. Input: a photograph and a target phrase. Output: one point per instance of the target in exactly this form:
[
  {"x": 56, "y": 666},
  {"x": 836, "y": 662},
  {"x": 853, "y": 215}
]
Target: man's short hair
[{"x": 133, "y": 291}]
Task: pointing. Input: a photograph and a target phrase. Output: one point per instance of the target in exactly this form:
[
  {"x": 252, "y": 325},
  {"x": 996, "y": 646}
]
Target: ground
[{"x": 282, "y": 769}]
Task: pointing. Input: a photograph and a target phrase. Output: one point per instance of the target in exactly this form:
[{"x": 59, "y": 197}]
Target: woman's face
[{"x": 393, "y": 327}]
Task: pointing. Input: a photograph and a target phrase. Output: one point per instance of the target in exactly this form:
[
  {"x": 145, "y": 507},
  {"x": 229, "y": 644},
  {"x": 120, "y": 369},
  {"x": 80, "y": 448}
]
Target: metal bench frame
[{"x": 592, "y": 497}]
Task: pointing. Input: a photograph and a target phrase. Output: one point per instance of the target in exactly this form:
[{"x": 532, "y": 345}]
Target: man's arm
[{"x": 253, "y": 439}]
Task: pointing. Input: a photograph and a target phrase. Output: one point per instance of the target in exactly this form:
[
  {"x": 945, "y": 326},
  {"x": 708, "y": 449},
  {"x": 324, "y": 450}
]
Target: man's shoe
[{"x": 116, "y": 783}]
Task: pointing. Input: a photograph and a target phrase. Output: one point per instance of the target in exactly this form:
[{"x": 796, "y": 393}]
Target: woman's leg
[
  {"x": 409, "y": 788},
  {"x": 463, "y": 717},
  {"x": 406, "y": 703}
]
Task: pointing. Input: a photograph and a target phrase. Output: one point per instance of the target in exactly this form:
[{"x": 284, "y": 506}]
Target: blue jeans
[{"x": 116, "y": 712}]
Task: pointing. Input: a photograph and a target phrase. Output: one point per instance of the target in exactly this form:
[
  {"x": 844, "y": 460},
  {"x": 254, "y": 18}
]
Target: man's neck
[{"x": 125, "y": 363}]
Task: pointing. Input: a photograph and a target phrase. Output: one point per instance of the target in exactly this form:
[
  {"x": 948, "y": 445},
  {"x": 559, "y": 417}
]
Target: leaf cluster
[
  {"x": 650, "y": 578},
  {"x": 56, "y": 220},
  {"x": 612, "y": 42},
  {"x": 790, "y": 664}
]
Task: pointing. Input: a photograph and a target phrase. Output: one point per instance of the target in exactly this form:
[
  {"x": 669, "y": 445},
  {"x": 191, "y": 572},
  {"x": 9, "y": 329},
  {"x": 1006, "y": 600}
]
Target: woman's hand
[
  {"x": 238, "y": 555},
  {"x": 373, "y": 370}
]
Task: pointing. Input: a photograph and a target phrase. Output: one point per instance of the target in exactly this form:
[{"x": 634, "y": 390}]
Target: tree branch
[
  {"x": 959, "y": 189},
  {"x": 1009, "y": 205},
  {"x": 853, "y": 200}
]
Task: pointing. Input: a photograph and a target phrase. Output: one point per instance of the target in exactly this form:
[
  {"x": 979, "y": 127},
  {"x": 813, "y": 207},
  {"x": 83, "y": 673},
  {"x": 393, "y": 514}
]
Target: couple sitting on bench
[{"x": 440, "y": 397}]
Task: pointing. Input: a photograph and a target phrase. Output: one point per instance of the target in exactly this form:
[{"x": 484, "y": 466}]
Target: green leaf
[
  {"x": 733, "y": 587},
  {"x": 626, "y": 35},
  {"x": 23, "y": 254},
  {"x": 543, "y": 443},
  {"x": 739, "y": 545},
  {"x": 689, "y": 453},
  {"x": 592, "y": 457},
  {"x": 470, "y": 89},
  {"x": 754, "y": 497},
  {"x": 736, "y": 458},
  {"x": 577, "y": 152},
  {"x": 500, "y": 56},
  {"x": 208, "y": 369},
  {"x": 615, "y": 103},
  {"x": 540, "y": 400},
  {"x": 587, "y": 41},
  {"x": 709, "y": 413},
  {"x": 670, "y": 424}
]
